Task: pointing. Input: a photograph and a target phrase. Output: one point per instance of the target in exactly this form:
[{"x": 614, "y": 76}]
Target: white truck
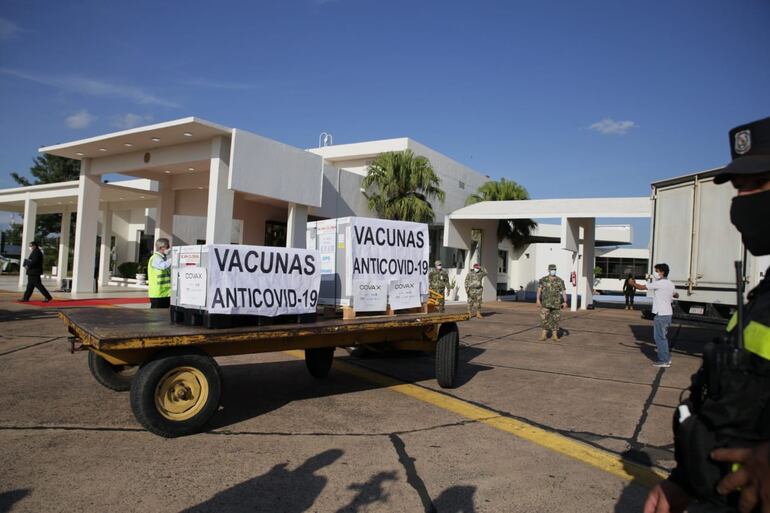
[{"x": 692, "y": 233}]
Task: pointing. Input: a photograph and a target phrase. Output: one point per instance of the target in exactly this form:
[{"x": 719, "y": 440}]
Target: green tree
[
  {"x": 401, "y": 185},
  {"x": 49, "y": 169},
  {"x": 515, "y": 230}
]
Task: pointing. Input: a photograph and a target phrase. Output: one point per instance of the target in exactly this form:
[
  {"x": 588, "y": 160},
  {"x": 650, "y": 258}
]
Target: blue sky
[{"x": 571, "y": 99}]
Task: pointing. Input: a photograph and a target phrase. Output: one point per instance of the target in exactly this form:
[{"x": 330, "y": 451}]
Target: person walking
[
  {"x": 663, "y": 294},
  {"x": 474, "y": 289},
  {"x": 34, "y": 266},
  {"x": 722, "y": 433},
  {"x": 551, "y": 298},
  {"x": 629, "y": 291},
  {"x": 438, "y": 283},
  {"x": 159, "y": 275}
]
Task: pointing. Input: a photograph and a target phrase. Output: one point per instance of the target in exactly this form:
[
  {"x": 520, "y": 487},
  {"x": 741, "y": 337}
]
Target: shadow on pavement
[
  {"x": 26, "y": 315},
  {"x": 8, "y": 499},
  {"x": 421, "y": 366},
  {"x": 688, "y": 340},
  {"x": 251, "y": 390},
  {"x": 633, "y": 495},
  {"x": 369, "y": 492},
  {"x": 287, "y": 491},
  {"x": 456, "y": 499}
]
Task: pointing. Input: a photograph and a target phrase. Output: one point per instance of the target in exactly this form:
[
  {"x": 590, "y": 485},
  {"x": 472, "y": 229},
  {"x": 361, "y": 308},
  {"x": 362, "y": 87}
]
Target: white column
[
  {"x": 104, "y": 250},
  {"x": 27, "y": 235},
  {"x": 89, "y": 190},
  {"x": 489, "y": 249},
  {"x": 574, "y": 298},
  {"x": 64, "y": 247},
  {"x": 296, "y": 226},
  {"x": 219, "y": 223},
  {"x": 164, "y": 217},
  {"x": 586, "y": 277}
]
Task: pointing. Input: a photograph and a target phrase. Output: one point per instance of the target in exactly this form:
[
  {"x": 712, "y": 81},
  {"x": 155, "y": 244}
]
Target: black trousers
[
  {"x": 630, "y": 299},
  {"x": 33, "y": 282},
  {"x": 160, "y": 302}
]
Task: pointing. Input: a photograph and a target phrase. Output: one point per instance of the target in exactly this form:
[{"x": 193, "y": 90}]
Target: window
[
  {"x": 619, "y": 268},
  {"x": 502, "y": 262},
  {"x": 275, "y": 234},
  {"x": 462, "y": 185}
]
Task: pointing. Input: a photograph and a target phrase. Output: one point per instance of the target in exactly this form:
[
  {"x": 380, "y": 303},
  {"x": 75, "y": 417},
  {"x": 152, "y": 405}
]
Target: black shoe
[
  {"x": 23, "y": 300},
  {"x": 47, "y": 300}
]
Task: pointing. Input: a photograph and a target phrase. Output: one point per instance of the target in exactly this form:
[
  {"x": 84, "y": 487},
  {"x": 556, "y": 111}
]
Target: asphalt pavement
[{"x": 582, "y": 424}]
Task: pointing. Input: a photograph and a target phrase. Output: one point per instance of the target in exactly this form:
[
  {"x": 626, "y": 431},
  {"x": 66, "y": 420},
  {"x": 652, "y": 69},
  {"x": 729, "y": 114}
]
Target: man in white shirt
[{"x": 663, "y": 294}]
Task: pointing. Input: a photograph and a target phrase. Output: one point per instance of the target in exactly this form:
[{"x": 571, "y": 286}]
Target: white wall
[
  {"x": 125, "y": 226},
  {"x": 354, "y": 159},
  {"x": 274, "y": 170},
  {"x": 452, "y": 173}
]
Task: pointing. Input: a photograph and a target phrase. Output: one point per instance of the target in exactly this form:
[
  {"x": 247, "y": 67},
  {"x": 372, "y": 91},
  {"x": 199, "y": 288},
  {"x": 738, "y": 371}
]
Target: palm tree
[
  {"x": 401, "y": 185},
  {"x": 515, "y": 230}
]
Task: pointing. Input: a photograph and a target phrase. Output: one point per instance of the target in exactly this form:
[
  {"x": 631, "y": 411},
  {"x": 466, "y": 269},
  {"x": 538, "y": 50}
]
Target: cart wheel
[
  {"x": 114, "y": 377},
  {"x": 447, "y": 354},
  {"x": 176, "y": 393},
  {"x": 319, "y": 361}
]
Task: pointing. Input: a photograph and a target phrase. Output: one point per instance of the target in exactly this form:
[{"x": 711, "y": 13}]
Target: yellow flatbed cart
[{"x": 175, "y": 383}]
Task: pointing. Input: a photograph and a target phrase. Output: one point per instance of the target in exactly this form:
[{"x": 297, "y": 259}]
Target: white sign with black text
[
  {"x": 370, "y": 295},
  {"x": 389, "y": 250},
  {"x": 404, "y": 294},
  {"x": 267, "y": 281},
  {"x": 191, "y": 283}
]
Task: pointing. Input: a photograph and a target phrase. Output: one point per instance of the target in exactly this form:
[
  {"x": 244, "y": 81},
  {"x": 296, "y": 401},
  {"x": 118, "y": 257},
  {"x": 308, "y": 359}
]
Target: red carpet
[{"x": 71, "y": 303}]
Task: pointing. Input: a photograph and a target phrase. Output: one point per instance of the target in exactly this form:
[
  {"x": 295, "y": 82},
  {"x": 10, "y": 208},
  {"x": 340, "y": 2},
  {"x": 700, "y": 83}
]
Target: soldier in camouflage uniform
[
  {"x": 438, "y": 282},
  {"x": 551, "y": 297},
  {"x": 474, "y": 288}
]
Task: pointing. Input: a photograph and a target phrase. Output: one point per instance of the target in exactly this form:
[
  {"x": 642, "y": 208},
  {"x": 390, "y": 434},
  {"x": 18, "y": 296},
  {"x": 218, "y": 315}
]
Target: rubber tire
[
  {"x": 146, "y": 381},
  {"x": 109, "y": 375},
  {"x": 319, "y": 361},
  {"x": 447, "y": 355}
]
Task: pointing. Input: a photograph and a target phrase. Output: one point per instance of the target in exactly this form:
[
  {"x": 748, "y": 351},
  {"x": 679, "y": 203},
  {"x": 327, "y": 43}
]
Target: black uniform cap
[{"x": 750, "y": 151}]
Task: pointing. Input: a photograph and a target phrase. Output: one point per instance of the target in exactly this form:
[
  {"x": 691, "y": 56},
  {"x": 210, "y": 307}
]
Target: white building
[
  {"x": 195, "y": 182},
  {"x": 198, "y": 182}
]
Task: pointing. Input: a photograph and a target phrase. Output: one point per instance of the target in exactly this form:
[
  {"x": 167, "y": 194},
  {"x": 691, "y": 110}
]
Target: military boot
[
  {"x": 555, "y": 335},
  {"x": 543, "y": 335},
  {"x": 478, "y": 315}
]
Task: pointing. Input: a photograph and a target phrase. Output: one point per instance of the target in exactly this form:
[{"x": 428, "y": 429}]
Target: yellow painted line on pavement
[{"x": 598, "y": 458}]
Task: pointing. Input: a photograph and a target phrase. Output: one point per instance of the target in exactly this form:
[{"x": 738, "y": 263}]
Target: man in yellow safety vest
[{"x": 159, "y": 275}]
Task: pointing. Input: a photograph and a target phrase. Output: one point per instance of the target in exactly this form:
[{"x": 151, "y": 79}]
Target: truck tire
[
  {"x": 176, "y": 393},
  {"x": 319, "y": 361},
  {"x": 447, "y": 355},
  {"x": 114, "y": 377}
]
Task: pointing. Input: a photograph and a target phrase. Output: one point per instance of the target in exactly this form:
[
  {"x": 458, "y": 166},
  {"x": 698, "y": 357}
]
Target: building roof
[
  {"x": 55, "y": 197},
  {"x": 606, "y": 234},
  {"x": 360, "y": 150},
  {"x": 178, "y": 131},
  {"x": 556, "y": 208}
]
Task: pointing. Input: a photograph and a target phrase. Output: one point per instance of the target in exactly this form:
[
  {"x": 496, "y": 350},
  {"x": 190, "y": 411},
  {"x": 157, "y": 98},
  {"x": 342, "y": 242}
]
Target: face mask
[
  {"x": 658, "y": 276},
  {"x": 552, "y": 273},
  {"x": 438, "y": 267},
  {"x": 750, "y": 214},
  {"x": 476, "y": 269}
]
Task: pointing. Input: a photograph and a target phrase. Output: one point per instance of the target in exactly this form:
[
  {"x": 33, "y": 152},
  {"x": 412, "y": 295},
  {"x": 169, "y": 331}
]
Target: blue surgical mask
[{"x": 552, "y": 272}]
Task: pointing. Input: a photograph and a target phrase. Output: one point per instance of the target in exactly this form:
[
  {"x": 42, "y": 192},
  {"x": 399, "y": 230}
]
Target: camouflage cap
[
  {"x": 437, "y": 263},
  {"x": 551, "y": 267}
]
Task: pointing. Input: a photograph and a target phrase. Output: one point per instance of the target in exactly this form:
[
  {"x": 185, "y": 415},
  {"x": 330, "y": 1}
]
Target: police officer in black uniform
[{"x": 722, "y": 431}]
